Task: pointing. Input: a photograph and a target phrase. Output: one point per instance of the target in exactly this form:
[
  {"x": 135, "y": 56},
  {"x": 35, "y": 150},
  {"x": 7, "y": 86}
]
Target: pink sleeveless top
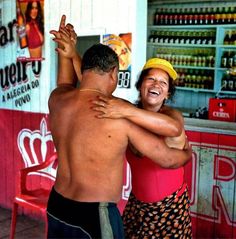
[
  {"x": 150, "y": 182},
  {"x": 34, "y": 40}
]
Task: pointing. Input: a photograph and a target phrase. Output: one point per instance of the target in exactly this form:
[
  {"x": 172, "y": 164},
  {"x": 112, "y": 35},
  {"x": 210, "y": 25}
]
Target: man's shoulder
[{"x": 61, "y": 94}]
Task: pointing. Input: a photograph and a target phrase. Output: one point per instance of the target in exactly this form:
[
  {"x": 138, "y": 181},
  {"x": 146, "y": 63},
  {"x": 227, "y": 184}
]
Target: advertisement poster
[
  {"x": 121, "y": 44},
  {"x": 23, "y": 74},
  {"x": 30, "y": 30}
]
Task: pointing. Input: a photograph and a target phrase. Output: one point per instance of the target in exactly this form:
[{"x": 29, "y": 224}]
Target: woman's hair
[
  {"x": 138, "y": 84},
  {"x": 39, "y": 18}
]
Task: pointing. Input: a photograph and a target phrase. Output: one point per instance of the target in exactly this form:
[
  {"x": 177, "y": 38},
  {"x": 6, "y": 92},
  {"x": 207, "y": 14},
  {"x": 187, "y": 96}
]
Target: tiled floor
[{"x": 26, "y": 228}]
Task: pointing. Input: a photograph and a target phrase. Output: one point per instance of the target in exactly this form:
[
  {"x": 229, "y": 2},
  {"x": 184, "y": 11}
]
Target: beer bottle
[
  {"x": 21, "y": 31},
  {"x": 224, "y": 60},
  {"x": 156, "y": 17},
  {"x": 212, "y": 16},
  {"x": 230, "y": 58},
  {"x": 186, "y": 16},
  {"x": 152, "y": 36},
  {"x": 171, "y": 16},
  {"x": 207, "y": 16},
  {"x": 161, "y": 17},
  {"x": 223, "y": 15},
  {"x": 217, "y": 15},
  {"x": 224, "y": 81},
  {"x": 195, "y": 16},
  {"x": 233, "y": 38},
  {"x": 234, "y": 16},
  {"x": 230, "y": 15},
  {"x": 201, "y": 16},
  {"x": 176, "y": 12},
  {"x": 227, "y": 39},
  {"x": 190, "y": 16}
]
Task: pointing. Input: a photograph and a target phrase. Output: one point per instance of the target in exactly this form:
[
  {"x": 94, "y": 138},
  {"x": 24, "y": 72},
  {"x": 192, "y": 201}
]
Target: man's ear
[{"x": 114, "y": 73}]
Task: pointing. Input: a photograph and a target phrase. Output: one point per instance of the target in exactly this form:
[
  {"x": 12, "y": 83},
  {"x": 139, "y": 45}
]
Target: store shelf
[
  {"x": 185, "y": 26},
  {"x": 167, "y": 48},
  {"x": 185, "y": 45},
  {"x": 195, "y": 89},
  {"x": 200, "y": 61}
]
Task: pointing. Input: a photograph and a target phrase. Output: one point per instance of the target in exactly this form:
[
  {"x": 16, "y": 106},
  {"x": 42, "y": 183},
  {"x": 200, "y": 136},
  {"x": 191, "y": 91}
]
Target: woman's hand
[
  {"x": 113, "y": 108},
  {"x": 66, "y": 39}
]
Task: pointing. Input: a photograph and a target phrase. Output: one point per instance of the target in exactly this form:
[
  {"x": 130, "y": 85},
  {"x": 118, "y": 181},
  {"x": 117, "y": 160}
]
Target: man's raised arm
[{"x": 66, "y": 73}]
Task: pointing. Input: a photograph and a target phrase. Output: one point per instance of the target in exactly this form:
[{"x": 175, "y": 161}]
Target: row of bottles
[
  {"x": 187, "y": 57},
  {"x": 183, "y": 37},
  {"x": 194, "y": 78},
  {"x": 197, "y": 16},
  {"x": 228, "y": 59},
  {"x": 228, "y": 82},
  {"x": 230, "y": 37}
]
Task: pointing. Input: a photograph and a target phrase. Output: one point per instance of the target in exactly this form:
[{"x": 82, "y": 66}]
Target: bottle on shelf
[
  {"x": 171, "y": 16},
  {"x": 224, "y": 60},
  {"x": 229, "y": 15},
  {"x": 156, "y": 17},
  {"x": 201, "y": 16},
  {"x": 180, "y": 17},
  {"x": 212, "y": 16},
  {"x": 195, "y": 16},
  {"x": 234, "y": 60},
  {"x": 223, "y": 15},
  {"x": 224, "y": 81},
  {"x": 217, "y": 15},
  {"x": 190, "y": 17},
  {"x": 230, "y": 59},
  {"x": 227, "y": 38},
  {"x": 152, "y": 36},
  {"x": 186, "y": 14},
  {"x": 207, "y": 16},
  {"x": 233, "y": 37},
  {"x": 234, "y": 16}
]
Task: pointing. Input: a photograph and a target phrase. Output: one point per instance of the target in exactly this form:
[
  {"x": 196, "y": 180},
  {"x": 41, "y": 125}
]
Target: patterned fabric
[{"x": 169, "y": 218}]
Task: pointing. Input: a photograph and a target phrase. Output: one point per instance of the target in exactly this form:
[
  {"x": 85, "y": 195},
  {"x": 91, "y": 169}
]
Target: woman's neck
[{"x": 153, "y": 108}]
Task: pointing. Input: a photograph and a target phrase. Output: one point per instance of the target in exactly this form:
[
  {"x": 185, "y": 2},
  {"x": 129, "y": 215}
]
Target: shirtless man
[{"x": 82, "y": 203}]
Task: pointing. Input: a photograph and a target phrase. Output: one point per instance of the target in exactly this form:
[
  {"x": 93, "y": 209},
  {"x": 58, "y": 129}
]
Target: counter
[
  {"x": 210, "y": 126},
  {"x": 211, "y": 176}
]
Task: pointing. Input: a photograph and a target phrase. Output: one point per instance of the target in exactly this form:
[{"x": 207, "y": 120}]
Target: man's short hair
[{"x": 100, "y": 58}]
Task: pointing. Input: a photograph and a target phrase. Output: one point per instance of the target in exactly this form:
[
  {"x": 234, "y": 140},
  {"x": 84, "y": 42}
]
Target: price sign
[{"x": 124, "y": 78}]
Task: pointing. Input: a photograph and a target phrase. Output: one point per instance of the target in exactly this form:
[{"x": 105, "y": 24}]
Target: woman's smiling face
[{"x": 154, "y": 88}]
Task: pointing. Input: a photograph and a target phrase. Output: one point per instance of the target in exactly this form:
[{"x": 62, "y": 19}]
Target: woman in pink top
[
  {"x": 158, "y": 206},
  {"x": 34, "y": 28}
]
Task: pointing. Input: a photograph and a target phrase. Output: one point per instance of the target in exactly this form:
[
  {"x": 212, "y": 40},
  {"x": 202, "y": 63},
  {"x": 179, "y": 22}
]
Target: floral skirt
[{"x": 169, "y": 218}]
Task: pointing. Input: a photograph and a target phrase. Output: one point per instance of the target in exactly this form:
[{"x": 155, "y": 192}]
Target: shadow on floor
[{"x": 26, "y": 228}]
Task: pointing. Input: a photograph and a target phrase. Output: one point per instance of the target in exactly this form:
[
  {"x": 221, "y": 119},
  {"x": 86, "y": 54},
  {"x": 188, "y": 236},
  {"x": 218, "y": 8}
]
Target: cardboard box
[{"x": 222, "y": 109}]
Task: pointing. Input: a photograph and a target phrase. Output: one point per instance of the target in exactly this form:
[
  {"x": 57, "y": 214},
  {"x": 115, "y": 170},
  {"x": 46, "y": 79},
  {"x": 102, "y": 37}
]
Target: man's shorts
[{"x": 72, "y": 219}]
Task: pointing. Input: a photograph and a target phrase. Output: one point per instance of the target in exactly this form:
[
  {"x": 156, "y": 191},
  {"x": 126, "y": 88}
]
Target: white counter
[{"x": 210, "y": 126}]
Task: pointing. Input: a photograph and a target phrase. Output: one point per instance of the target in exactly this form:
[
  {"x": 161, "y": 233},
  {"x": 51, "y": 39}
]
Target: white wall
[
  {"x": 97, "y": 17},
  {"x": 89, "y": 17}
]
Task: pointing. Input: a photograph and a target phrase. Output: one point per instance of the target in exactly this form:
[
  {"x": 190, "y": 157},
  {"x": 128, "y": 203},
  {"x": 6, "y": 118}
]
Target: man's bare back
[{"x": 91, "y": 150}]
